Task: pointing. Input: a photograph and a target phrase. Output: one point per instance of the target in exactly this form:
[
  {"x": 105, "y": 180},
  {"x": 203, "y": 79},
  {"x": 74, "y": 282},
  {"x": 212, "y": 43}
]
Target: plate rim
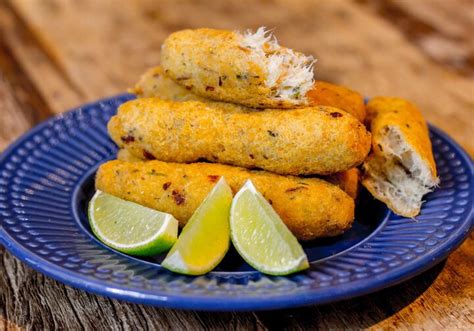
[{"x": 197, "y": 302}]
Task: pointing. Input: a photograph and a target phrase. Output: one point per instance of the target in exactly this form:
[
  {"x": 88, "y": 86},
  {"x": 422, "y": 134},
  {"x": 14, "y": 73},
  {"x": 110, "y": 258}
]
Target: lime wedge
[
  {"x": 205, "y": 238},
  {"x": 261, "y": 237},
  {"x": 129, "y": 227}
]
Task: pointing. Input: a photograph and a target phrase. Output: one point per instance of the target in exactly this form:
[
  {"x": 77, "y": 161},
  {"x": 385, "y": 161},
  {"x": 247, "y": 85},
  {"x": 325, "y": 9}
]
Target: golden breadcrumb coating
[
  {"x": 125, "y": 155},
  {"x": 327, "y": 94},
  {"x": 348, "y": 181},
  {"x": 155, "y": 83},
  {"x": 306, "y": 141}
]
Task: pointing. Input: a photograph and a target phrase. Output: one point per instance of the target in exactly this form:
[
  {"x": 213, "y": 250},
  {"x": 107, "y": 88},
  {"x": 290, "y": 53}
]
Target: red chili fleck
[
  {"x": 148, "y": 155},
  {"x": 166, "y": 185},
  {"x": 178, "y": 197},
  {"x": 296, "y": 189},
  {"x": 188, "y": 87},
  {"x": 246, "y": 50},
  {"x": 213, "y": 178},
  {"x": 336, "y": 114},
  {"x": 251, "y": 156},
  {"x": 209, "y": 88},
  {"x": 128, "y": 139}
]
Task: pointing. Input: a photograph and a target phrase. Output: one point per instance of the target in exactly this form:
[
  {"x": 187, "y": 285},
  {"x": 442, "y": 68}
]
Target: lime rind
[
  {"x": 160, "y": 241},
  {"x": 207, "y": 232},
  {"x": 288, "y": 245}
]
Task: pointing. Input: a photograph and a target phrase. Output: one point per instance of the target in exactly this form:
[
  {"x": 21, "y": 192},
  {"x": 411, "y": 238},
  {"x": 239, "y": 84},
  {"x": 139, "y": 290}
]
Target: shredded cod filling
[
  {"x": 393, "y": 178},
  {"x": 289, "y": 74},
  {"x": 401, "y": 172}
]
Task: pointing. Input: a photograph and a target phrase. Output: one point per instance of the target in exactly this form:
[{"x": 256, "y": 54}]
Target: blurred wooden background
[{"x": 57, "y": 54}]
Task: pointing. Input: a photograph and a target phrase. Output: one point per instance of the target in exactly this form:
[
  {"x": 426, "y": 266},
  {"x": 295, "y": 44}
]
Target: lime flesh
[
  {"x": 205, "y": 238},
  {"x": 129, "y": 227},
  {"x": 261, "y": 237}
]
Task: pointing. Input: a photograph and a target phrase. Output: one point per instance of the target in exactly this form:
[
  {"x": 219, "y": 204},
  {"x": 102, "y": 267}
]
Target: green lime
[
  {"x": 129, "y": 227},
  {"x": 261, "y": 237},
  {"x": 205, "y": 238}
]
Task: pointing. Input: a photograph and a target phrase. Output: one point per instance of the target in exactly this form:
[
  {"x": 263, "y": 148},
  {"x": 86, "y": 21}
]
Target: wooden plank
[
  {"x": 446, "y": 299},
  {"x": 441, "y": 29},
  {"x": 453, "y": 18},
  {"x": 104, "y": 54},
  {"x": 100, "y": 55},
  {"x": 47, "y": 80},
  {"x": 17, "y": 109},
  {"x": 35, "y": 302}
]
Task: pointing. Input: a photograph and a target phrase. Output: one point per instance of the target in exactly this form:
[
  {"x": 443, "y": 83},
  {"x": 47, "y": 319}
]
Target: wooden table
[{"x": 57, "y": 54}]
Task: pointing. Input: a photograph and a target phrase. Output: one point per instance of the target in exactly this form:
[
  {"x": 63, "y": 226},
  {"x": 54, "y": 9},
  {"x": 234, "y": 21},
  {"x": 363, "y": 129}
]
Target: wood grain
[
  {"x": 17, "y": 113},
  {"x": 46, "y": 79},
  {"x": 439, "y": 28},
  {"x": 52, "y": 58},
  {"x": 37, "y": 302}
]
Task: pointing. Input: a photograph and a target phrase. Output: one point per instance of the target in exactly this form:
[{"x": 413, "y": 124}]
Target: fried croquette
[
  {"x": 401, "y": 167},
  {"x": 310, "y": 207},
  {"x": 307, "y": 141},
  {"x": 327, "y": 94},
  {"x": 250, "y": 69}
]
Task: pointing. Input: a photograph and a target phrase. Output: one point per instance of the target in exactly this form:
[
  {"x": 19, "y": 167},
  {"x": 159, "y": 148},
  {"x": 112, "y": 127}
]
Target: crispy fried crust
[
  {"x": 212, "y": 63},
  {"x": 311, "y": 208},
  {"x": 125, "y": 155},
  {"x": 318, "y": 140},
  {"x": 348, "y": 181},
  {"x": 155, "y": 83},
  {"x": 327, "y": 94},
  {"x": 383, "y": 112}
]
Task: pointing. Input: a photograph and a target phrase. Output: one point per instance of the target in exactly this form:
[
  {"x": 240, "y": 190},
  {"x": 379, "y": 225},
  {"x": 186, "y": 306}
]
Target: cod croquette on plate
[{"x": 47, "y": 180}]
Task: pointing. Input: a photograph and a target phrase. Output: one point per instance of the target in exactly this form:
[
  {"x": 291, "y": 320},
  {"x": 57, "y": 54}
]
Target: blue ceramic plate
[{"x": 46, "y": 181}]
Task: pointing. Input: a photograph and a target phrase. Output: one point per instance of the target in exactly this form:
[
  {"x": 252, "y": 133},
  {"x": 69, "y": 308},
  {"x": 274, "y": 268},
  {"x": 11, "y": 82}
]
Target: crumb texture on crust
[
  {"x": 348, "y": 181},
  {"x": 155, "y": 83},
  {"x": 310, "y": 207},
  {"x": 303, "y": 141},
  {"x": 401, "y": 168},
  {"x": 328, "y": 94}
]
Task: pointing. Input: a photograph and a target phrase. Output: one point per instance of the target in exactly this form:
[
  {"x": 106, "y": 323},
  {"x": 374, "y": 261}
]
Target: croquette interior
[
  {"x": 400, "y": 175},
  {"x": 289, "y": 74}
]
